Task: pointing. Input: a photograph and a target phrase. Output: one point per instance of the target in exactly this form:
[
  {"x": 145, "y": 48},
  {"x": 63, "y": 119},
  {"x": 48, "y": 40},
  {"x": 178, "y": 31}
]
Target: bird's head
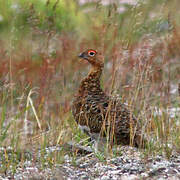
[{"x": 93, "y": 57}]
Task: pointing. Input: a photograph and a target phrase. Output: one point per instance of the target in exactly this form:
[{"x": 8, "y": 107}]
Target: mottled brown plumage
[{"x": 102, "y": 114}]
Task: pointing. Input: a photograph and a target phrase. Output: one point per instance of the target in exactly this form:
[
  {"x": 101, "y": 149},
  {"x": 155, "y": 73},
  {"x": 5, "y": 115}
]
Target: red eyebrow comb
[{"x": 92, "y": 51}]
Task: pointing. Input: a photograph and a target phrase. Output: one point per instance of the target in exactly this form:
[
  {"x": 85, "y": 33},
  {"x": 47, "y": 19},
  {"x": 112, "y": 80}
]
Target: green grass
[{"x": 40, "y": 72}]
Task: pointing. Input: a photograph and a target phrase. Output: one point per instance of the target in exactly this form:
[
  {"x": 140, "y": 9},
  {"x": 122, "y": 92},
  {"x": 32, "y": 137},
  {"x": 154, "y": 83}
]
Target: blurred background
[{"x": 40, "y": 71}]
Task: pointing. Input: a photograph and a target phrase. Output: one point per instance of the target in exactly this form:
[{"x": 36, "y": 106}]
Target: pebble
[{"x": 128, "y": 166}]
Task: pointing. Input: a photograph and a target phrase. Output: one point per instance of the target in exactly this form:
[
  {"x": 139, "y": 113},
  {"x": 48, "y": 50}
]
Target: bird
[{"x": 100, "y": 115}]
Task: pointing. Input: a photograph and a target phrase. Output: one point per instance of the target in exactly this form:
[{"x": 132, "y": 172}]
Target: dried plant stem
[{"x": 30, "y": 102}]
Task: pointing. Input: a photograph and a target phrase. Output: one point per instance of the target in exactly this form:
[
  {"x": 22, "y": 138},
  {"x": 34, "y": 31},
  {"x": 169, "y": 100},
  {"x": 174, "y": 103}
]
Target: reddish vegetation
[{"x": 58, "y": 77}]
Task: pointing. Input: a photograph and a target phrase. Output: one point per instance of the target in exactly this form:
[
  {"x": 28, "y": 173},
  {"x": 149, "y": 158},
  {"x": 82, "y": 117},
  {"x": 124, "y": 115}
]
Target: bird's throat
[{"x": 91, "y": 83}]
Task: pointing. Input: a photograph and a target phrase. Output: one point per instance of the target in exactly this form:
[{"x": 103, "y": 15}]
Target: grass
[{"x": 39, "y": 71}]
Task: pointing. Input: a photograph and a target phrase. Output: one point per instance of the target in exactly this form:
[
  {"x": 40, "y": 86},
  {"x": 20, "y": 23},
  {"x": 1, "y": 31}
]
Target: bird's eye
[{"x": 91, "y": 53}]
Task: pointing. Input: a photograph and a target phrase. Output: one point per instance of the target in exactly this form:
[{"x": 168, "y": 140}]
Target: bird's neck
[{"x": 91, "y": 83}]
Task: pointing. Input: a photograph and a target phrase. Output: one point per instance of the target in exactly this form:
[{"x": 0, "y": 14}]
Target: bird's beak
[{"x": 83, "y": 55}]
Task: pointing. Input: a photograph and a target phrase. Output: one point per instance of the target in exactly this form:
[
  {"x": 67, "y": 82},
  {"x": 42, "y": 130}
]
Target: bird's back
[{"x": 104, "y": 114}]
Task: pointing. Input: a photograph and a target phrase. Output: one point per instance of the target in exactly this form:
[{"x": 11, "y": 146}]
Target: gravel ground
[{"x": 129, "y": 165}]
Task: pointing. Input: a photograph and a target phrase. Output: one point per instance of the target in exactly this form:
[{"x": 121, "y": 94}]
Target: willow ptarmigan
[{"x": 100, "y": 115}]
